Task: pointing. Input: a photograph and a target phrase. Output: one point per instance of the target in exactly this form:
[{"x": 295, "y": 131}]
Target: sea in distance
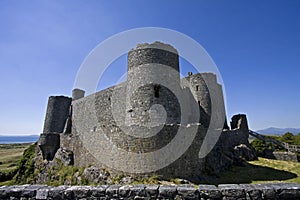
[{"x": 6, "y": 139}]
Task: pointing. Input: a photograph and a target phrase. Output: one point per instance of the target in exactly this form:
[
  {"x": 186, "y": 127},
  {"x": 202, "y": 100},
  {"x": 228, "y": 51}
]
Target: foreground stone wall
[{"x": 225, "y": 191}]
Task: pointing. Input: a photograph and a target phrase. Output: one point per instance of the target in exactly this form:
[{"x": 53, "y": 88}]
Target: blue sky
[{"x": 255, "y": 44}]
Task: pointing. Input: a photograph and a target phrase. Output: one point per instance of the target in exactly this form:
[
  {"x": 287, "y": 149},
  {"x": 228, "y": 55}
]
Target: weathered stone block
[
  {"x": 152, "y": 191},
  {"x": 125, "y": 192},
  {"x": 232, "y": 191},
  {"x": 209, "y": 192},
  {"x": 3, "y": 192},
  {"x": 139, "y": 190},
  {"x": 57, "y": 193},
  {"x": 99, "y": 191},
  {"x": 16, "y": 191},
  {"x": 112, "y": 192},
  {"x": 287, "y": 190},
  {"x": 167, "y": 192},
  {"x": 30, "y": 191},
  {"x": 252, "y": 192},
  {"x": 42, "y": 193},
  {"x": 268, "y": 191},
  {"x": 187, "y": 192}
]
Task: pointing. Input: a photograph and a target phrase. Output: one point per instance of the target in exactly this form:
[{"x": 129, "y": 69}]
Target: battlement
[{"x": 153, "y": 53}]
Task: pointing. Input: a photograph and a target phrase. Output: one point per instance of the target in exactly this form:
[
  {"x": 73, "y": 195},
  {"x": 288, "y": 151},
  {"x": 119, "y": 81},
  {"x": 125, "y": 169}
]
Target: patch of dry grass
[{"x": 10, "y": 155}]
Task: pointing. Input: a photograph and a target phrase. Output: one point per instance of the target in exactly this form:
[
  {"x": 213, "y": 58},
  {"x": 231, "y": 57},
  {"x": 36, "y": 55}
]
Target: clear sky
[{"x": 255, "y": 44}]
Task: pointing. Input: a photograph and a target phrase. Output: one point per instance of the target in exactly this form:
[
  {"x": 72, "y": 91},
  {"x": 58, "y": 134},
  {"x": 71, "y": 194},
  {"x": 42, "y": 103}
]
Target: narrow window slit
[{"x": 156, "y": 91}]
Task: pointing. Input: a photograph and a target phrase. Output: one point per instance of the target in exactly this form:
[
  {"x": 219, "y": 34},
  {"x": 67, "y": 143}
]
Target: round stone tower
[
  {"x": 153, "y": 85},
  {"x": 201, "y": 94}
]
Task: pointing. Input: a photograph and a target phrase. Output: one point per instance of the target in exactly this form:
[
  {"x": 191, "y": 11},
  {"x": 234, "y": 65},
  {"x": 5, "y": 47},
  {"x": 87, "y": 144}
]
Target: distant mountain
[
  {"x": 279, "y": 131},
  {"x": 6, "y": 139}
]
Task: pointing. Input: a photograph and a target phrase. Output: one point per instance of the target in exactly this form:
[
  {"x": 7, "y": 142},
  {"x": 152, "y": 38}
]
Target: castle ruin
[{"x": 152, "y": 105}]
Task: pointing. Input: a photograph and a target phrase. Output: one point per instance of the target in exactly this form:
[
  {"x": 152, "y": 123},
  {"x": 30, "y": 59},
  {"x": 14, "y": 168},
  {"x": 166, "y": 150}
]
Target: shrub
[{"x": 25, "y": 169}]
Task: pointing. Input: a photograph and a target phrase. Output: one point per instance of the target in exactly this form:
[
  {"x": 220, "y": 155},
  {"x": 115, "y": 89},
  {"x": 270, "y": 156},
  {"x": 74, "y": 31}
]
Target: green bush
[
  {"x": 7, "y": 175},
  {"x": 259, "y": 146},
  {"x": 25, "y": 169}
]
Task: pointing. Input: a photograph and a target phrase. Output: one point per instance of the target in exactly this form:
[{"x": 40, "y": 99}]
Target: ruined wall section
[
  {"x": 92, "y": 116},
  {"x": 57, "y": 113},
  {"x": 200, "y": 92},
  {"x": 207, "y": 92}
]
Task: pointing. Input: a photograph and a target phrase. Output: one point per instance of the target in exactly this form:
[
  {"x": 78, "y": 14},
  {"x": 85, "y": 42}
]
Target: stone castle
[{"x": 143, "y": 115}]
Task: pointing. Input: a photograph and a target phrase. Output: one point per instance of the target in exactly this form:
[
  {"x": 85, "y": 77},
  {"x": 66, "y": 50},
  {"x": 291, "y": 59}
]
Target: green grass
[
  {"x": 291, "y": 167},
  {"x": 261, "y": 171},
  {"x": 11, "y": 154}
]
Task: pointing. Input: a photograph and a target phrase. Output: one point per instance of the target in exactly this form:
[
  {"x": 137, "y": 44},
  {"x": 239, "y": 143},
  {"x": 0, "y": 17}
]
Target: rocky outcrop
[{"x": 95, "y": 175}]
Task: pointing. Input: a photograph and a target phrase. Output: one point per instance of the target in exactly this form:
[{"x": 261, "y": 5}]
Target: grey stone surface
[
  {"x": 268, "y": 191},
  {"x": 167, "y": 192},
  {"x": 42, "y": 193},
  {"x": 125, "y": 192},
  {"x": 30, "y": 191},
  {"x": 152, "y": 191},
  {"x": 57, "y": 193},
  {"x": 95, "y": 175},
  {"x": 108, "y": 114},
  {"x": 232, "y": 191},
  {"x": 153, "y": 53},
  {"x": 225, "y": 191},
  {"x": 187, "y": 192},
  {"x": 288, "y": 191},
  {"x": 77, "y": 94},
  {"x": 99, "y": 191},
  {"x": 287, "y": 156},
  {"x": 139, "y": 190},
  {"x": 252, "y": 192},
  {"x": 66, "y": 156},
  {"x": 112, "y": 192},
  {"x": 57, "y": 113},
  {"x": 239, "y": 122},
  {"x": 77, "y": 192},
  {"x": 49, "y": 143},
  {"x": 209, "y": 192}
]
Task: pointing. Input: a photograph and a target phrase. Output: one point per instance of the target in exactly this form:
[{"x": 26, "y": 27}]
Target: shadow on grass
[{"x": 250, "y": 173}]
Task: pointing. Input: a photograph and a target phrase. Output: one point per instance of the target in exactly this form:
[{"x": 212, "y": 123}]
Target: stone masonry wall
[
  {"x": 57, "y": 113},
  {"x": 153, "y": 69},
  {"x": 153, "y": 53},
  {"x": 288, "y": 156},
  {"x": 203, "y": 192}
]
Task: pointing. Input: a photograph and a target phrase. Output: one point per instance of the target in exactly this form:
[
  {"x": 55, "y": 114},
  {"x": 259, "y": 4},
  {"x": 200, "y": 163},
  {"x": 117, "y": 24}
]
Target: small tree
[
  {"x": 259, "y": 146},
  {"x": 288, "y": 138}
]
